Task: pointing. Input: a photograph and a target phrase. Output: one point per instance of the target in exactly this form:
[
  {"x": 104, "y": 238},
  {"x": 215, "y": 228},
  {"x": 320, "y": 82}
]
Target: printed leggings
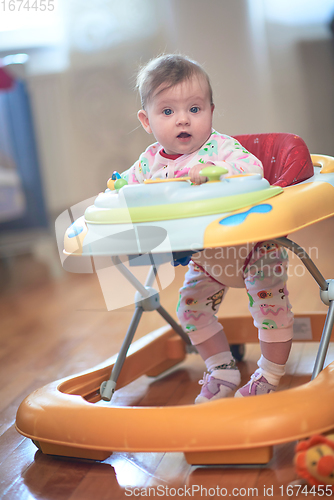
[{"x": 264, "y": 275}]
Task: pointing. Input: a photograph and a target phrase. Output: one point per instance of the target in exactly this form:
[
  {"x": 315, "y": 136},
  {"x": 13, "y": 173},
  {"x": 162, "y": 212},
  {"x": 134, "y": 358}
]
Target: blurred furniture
[{"x": 24, "y": 225}]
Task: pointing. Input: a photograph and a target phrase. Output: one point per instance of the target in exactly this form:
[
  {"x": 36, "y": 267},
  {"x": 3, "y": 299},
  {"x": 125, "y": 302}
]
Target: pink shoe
[
  {"x": 213, "y": 388},
  {"x": 257, "y": 385}
]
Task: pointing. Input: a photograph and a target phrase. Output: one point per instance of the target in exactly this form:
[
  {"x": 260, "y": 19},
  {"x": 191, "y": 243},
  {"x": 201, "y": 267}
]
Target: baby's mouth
[{"x": 183, "y": 135}]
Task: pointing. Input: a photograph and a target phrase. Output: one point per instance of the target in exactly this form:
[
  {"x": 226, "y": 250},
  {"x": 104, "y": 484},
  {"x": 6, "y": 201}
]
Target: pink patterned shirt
[{"x": 219, "y": 150}]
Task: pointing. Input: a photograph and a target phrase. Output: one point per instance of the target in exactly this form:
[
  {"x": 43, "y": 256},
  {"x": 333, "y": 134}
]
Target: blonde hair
[{"x": 170, "y": 69}]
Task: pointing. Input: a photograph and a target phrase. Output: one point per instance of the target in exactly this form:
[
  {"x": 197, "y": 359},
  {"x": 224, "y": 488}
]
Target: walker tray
[{"x": 178, "y": 216}]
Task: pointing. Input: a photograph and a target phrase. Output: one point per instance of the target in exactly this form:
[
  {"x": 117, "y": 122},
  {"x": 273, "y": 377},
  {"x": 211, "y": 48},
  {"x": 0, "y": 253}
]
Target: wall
[
  {"x": 265, "y": 77},
  {"x": 221, "y": 36}
]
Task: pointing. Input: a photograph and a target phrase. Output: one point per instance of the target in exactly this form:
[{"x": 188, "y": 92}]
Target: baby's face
[{"x": 180, "y": 117}]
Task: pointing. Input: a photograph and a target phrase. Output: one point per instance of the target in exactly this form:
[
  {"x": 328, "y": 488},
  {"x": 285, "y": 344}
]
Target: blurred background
[{"x": 68, "y": 105}]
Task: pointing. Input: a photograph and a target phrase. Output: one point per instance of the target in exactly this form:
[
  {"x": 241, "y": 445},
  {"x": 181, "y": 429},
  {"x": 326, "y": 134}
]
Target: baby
[{"x": 177, "y": 108}]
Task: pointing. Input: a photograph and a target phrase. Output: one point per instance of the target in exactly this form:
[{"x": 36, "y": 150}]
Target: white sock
[
  {"x": 222, "y": 366},
  {"x": 222, "y": 358},
  {"x": 271, "y": 371}
]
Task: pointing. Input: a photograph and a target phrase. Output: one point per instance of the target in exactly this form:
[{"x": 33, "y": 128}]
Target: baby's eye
[
  {"x": 167, "y": 111},
  {"x": 194, "y": 109}
]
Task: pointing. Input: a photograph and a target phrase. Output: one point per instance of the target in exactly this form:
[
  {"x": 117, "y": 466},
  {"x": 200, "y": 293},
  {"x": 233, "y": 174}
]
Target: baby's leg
[
  {"x": 200, "y": 298},
  {"x": 265, "y": 281}
]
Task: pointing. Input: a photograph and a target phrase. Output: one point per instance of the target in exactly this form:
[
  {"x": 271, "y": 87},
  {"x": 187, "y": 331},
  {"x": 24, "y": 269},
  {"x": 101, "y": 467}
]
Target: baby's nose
[{"x": 183, "y": 119}]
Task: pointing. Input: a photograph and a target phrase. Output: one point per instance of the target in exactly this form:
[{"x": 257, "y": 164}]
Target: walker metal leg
[
  {"x": 306, "y": 260},
  {"x": 326, "y": 294},
  {"x": 108, "y": 387},
  {"x": 152, "y": 274},
  {"x": 146, "y": 299},
  {"x": 324, "y": 342},
  {"x": 167, "y": 317},
  {"x": 129, "y": 276}
]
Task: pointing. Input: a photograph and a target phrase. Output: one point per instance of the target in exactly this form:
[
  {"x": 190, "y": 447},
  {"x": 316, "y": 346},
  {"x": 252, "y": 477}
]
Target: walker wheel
[{"x": 238, "y": 351}]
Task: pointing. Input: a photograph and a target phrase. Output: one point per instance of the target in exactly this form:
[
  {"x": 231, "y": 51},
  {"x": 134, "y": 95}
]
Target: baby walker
[{"x": 148, "y": 223}]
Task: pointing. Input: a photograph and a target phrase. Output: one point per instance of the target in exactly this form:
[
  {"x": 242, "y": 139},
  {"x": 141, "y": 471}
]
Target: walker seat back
[{"x": 285, "y": 157}]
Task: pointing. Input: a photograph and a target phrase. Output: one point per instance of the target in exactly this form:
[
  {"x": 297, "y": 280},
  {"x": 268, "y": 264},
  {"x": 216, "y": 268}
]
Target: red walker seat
[{"x": 285, "y": 157}]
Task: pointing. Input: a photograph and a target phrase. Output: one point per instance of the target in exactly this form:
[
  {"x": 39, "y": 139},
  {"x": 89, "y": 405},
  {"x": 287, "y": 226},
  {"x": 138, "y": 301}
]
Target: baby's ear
[{"x": 143, "y": 118}]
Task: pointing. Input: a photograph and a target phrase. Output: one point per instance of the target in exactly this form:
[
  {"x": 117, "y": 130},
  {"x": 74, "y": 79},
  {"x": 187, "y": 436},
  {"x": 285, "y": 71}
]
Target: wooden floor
[{"x": 54, "y": 327}]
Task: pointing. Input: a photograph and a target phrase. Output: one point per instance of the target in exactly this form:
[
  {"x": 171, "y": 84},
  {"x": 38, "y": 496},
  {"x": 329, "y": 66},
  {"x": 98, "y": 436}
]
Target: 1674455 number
[{"x": 27, "y": 5}]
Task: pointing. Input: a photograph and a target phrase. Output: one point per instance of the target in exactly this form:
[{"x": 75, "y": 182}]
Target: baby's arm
[
  {"x": 142, "y": 168},
  {"x": 233, "y": 156},
  {"x": 130, "y": 174}
]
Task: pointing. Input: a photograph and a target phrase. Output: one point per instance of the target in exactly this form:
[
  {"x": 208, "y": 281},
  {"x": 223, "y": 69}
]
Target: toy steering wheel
[{"x": 212, "y": 172}]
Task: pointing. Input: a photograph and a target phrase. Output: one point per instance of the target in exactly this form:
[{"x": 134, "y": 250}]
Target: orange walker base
[
  {"x": 68, "y": 417},
  {"x": 64, "y": 418}
]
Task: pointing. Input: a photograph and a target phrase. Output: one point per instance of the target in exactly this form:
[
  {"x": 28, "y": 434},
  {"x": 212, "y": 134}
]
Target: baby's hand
[{"x": 194, "y": 174}]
